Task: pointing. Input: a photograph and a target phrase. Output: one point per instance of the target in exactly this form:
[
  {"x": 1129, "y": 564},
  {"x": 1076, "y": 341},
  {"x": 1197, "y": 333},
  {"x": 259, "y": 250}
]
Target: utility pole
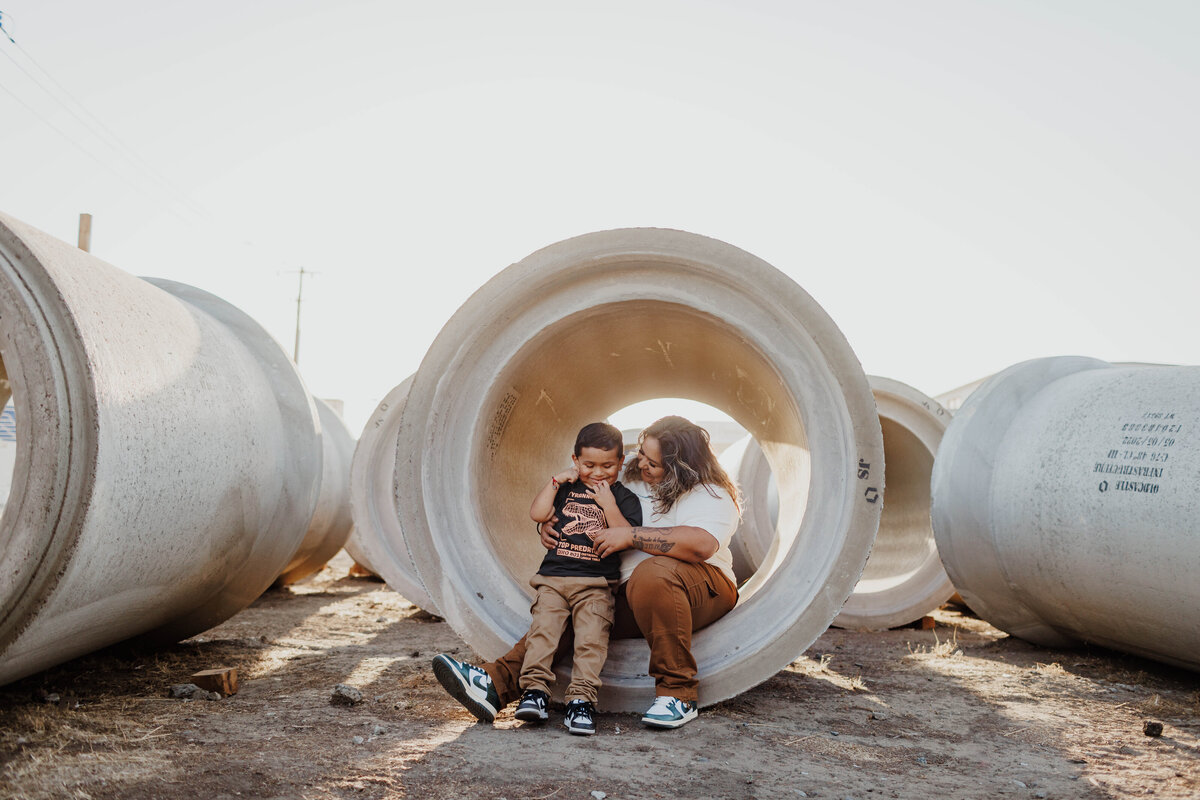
[
  {"x": 85, "y": 232},
  {"x": 299, "y": 296}
]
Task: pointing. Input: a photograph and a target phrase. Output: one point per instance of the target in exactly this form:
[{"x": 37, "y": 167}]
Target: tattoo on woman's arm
[{"x": 653, "y": 540}]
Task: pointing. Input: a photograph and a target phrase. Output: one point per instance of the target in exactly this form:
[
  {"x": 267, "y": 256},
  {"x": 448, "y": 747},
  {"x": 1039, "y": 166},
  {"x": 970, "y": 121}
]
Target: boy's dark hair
[{"x": 601, "y": 436}]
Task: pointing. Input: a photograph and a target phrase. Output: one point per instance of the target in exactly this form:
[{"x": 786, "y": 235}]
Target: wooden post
[
  {"x": 85, "y": 232},
  {"x": 299, "y": 294}
]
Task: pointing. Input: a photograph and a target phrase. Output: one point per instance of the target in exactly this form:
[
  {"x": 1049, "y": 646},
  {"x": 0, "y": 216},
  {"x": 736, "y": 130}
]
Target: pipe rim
[
  {"x": 55, "y": 432},
  {"x": 927, "y": 586},
  {"x": 331, "y": 521},
  {"x": 815, "y": 367},
  {"x": 377, "y": 541}
]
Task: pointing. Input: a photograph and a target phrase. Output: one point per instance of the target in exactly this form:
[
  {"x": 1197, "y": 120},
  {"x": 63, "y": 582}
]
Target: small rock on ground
[
  {"x": 190, "y": 691},
  {"x": 344, "y": 695}
]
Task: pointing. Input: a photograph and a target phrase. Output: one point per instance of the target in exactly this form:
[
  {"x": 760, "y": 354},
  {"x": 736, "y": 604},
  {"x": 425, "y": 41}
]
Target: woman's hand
[
  {"x": 548, "y": 534},
  {"x": 612, "y": 540}
]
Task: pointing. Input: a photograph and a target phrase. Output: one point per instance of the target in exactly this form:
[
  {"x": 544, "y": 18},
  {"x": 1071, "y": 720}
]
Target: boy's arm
[
  {"x": 542, "y": 508},
  {"x": 625, "y": 512}
]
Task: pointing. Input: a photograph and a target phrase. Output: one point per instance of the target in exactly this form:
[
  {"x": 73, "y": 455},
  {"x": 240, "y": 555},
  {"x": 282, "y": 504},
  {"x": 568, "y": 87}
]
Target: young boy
[{"x": 573, "y": 582}]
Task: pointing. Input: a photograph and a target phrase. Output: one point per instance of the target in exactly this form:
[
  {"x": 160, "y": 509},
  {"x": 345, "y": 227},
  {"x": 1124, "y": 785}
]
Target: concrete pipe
[
  {"x": 583, "y": 328},
  {"x": 378, "y": 540},
  {"x": 168, "y": 456},
  {"x": 746, "y": 464},
  {"x": 904, "y": 579},
  {"x": 332, "y": 521},
  {"x": 1064, "y": 505}
]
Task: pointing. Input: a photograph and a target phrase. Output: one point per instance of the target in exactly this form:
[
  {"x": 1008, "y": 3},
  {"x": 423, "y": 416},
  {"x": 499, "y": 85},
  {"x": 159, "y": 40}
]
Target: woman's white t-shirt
[{"x": 705, "y": 506}]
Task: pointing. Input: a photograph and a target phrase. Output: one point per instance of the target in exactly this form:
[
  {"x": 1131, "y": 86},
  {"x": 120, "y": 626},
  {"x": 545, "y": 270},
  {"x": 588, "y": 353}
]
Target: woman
[{"x": 676, "y": 575}]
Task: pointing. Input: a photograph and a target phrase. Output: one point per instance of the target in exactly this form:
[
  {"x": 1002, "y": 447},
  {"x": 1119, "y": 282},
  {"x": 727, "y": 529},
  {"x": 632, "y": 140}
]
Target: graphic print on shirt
[{"x": 584, "y": 518}]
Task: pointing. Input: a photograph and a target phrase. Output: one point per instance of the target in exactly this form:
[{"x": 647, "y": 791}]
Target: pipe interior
[
  {"x": 8, "y": 437},
  {"x": 588, "y": 366},
  {"x": 904, "y": 544}
]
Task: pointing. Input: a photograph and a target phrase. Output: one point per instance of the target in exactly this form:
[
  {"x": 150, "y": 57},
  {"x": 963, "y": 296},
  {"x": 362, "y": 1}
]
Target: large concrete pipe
[
  {"x": 332, "y": 521},
  {"x": 904, "y": 579},
  {"x": 746, "y": 464},
  {"x": 168, "y": 456},
  {"x": 591, "y": 325},
  {"x": 953, "y": 400},
  {"x": 1064, "y": 505},
  {"x": 377, "y": 541}
]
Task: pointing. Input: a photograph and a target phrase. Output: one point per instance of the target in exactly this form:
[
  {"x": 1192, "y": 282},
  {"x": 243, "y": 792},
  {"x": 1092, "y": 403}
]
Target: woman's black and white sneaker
[
  {"x": 669, "y": 712},
  {"x": 581, "y": 717},
  {"x": 469, "y": 685},
  {"x": 532, "y": 707}
]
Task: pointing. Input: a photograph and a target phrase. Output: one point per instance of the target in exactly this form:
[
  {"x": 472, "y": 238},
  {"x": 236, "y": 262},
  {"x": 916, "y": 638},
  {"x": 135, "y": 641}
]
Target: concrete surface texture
[
  {"x": 591, "y": 325},
  {"x": 904, "y": 579},
  {"x": 746, "y": 464},
  {"x": 332, "y": 521},
  {"x": 168, "y": 456},
  {"x": 1064, "y": 505},
  {"x": 377, "y": 541}
]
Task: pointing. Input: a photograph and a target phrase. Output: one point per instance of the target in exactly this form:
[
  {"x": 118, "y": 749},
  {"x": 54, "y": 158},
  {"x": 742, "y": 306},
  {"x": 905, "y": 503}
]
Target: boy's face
[{"x": 597, "y": 466}]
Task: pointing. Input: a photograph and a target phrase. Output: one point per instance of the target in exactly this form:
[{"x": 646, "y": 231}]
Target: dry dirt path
[{"x": 961, "y": 711}]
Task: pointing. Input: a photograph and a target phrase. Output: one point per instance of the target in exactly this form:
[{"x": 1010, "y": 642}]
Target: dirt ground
[{"x": 960, "y": 711}]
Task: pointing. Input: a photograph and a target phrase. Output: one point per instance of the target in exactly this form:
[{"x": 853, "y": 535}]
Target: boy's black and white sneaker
[
  {"x": 532, "y": 707},
  {"x": 669, "y": 712},
  {"x": 581, "y": 717},
  {"x": 469, "y": 685}
]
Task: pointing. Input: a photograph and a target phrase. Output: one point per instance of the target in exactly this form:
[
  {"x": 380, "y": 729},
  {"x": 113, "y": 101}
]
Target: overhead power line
[{"x": 96, "y": 127}]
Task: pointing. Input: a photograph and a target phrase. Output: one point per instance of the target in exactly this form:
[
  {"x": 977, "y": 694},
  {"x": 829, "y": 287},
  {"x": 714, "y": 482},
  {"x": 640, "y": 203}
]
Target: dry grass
[
  {"x": 821, "y": 669},
  {"x": 1186, "y": 707},
  {"x": 939, "y": 649}
]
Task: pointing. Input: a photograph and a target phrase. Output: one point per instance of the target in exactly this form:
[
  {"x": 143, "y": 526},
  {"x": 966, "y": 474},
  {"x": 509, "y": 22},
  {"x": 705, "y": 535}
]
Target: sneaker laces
[{"x": 662, "y": 705}]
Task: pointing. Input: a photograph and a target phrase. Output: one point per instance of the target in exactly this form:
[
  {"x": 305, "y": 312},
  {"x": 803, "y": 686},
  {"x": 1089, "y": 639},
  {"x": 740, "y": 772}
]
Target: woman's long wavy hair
[{"x": 687, "y": 459}]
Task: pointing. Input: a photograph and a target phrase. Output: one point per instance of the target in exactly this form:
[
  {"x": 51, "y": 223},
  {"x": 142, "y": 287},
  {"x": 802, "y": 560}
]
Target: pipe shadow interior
[{"x": 588, "y": 366}]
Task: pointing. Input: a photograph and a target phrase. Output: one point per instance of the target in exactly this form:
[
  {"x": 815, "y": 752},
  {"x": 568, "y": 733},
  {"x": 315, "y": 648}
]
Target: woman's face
[{"x": 650, "y": 461}]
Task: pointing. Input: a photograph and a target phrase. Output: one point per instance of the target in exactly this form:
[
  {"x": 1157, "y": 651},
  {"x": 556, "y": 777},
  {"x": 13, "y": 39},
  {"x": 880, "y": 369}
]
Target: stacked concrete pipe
[
  {"x": 332, "y": 522},
  {"x": 1064, "y": 505},
  {"x": 588, "y": 326},
  {"x": 904, "y": 579},
  {"x": 377, "y": 542},
  {"x": 169, "y": 457}
]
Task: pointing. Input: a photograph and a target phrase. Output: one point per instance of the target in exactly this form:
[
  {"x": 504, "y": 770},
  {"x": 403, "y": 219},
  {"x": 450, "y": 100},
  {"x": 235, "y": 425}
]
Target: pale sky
[{"x": 961, "y": 185}]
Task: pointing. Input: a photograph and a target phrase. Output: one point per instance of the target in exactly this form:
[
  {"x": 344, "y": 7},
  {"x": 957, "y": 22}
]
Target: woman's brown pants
[{"x": 665, "y": 600}]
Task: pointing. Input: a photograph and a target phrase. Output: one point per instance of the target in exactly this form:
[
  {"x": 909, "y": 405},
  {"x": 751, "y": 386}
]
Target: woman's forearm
[{"x": 683, "y": 542}]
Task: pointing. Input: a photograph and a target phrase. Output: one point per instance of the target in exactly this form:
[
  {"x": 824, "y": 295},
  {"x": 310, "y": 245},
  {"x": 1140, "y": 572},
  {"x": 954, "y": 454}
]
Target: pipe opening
[
  {"x": 903, "y": 545},
  {"x": 723, "y": 431},
  {"x": 8, "y": 437},
  {"x": 903, "y": 578},
  {"x": 593, "y": 364}
]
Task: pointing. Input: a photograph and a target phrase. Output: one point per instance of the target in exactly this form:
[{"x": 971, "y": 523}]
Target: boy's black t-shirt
[{"x": 580, "y": 519}]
